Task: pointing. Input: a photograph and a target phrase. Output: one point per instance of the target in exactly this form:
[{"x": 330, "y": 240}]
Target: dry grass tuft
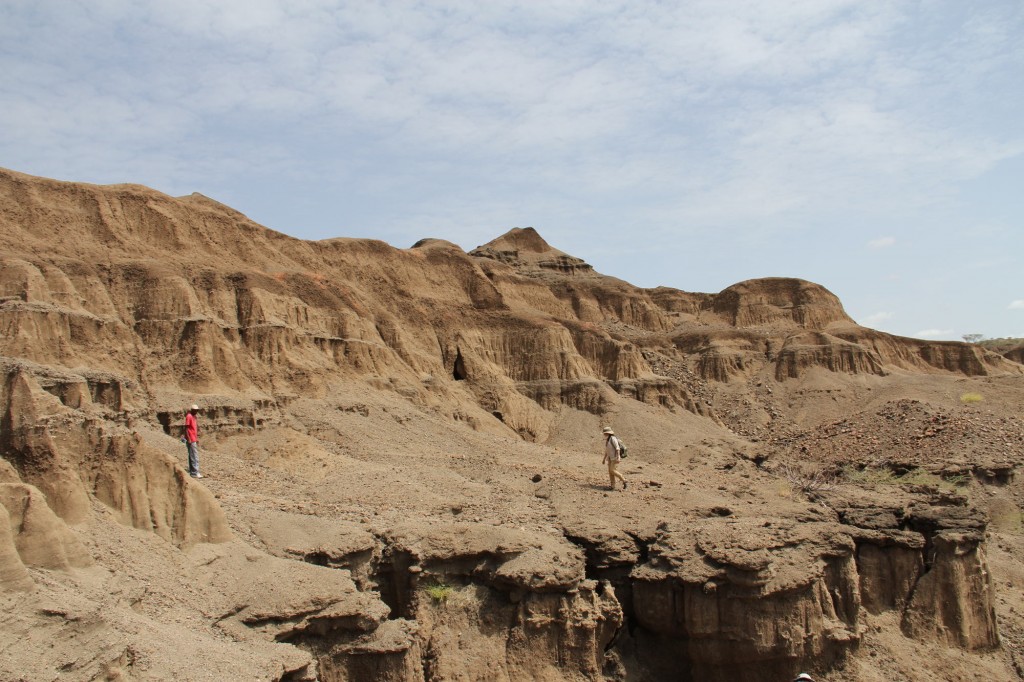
[{"x": 808, "y": 480}]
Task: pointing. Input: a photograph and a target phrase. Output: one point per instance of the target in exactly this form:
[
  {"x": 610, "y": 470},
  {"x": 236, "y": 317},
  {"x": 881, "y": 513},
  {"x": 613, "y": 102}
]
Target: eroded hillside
[{"x": 402, "y": 450}]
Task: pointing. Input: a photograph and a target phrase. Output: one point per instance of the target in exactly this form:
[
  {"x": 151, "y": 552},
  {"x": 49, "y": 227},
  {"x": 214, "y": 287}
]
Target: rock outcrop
[
  {"x": 771, "y": 301},
  {"x": 728, "y": 598},
  {"x": 73, "y": 457},
  {"x": 935, "y": 574},
  {"x": 512, "y": 603},
  {"x": 1016, "y": 353}
]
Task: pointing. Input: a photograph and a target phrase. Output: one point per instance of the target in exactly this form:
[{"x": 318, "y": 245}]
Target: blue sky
[{"x": 876, "y": 148}]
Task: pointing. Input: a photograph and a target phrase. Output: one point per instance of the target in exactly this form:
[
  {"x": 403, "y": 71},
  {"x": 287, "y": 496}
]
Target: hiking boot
[
  {"x": 197, "y": 476},
  {"x": 624, "y": 485}
]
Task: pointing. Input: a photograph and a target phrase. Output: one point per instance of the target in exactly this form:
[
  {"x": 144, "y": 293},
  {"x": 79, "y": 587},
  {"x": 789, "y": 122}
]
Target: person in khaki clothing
[{"x": 612, "y": 455}]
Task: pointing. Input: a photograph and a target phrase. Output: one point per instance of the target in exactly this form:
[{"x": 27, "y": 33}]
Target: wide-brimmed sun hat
[
  {"x": 608, "y": 430},
  {"x": 803, "y": 676},
  {"x": 194, "y": 407}
]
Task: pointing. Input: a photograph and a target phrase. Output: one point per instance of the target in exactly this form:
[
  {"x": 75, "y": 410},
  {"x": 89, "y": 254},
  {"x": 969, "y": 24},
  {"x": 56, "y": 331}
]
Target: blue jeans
[{"x": 193, "y": 458}]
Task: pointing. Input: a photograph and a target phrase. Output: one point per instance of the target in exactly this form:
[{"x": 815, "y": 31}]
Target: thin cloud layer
[
  {"x": 875, "y": 320},
  {"x": 881, "y": 242},
  {"x": 934, "y": 333}
]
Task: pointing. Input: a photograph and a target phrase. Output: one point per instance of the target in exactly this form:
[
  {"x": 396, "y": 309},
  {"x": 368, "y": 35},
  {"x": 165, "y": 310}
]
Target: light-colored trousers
[{"x": 193, "y": 458}]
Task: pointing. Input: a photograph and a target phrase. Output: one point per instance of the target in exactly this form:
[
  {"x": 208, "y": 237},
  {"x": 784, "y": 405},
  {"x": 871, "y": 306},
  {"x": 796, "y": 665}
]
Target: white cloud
[
  {"x": 933, "y": 333},
  {"x": 660, "y": 88},
  {"x": 875, "y": 319},
  {"x": 881, "y": 242},
  {"x": 1017, "y": 305}
]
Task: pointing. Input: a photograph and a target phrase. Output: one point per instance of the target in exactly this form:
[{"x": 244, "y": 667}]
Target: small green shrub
[
  {"x": 957, "y": 480},
  {"x": 968, "y": 398},
  {"x": 438, "y": 591}
]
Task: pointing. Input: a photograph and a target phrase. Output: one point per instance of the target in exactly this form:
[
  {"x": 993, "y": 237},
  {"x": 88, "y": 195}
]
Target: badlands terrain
[{"x": 402, "y": 456}]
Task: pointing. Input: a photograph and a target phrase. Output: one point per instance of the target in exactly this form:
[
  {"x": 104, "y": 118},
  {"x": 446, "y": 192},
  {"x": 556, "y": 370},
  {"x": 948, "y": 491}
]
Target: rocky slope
[{"x": 402, "y": 479}]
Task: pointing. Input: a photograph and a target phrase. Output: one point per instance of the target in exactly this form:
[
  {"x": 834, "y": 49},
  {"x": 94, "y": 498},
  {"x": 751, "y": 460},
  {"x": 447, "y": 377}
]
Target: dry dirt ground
[{"x": 389, "y": 465}]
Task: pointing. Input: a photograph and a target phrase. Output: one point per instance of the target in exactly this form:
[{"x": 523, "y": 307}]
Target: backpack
[{"x": 622, "y": 446}]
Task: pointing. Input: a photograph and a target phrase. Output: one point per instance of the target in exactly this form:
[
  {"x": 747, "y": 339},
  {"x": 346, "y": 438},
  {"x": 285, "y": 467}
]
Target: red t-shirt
[{"x": 191, "y": 428}]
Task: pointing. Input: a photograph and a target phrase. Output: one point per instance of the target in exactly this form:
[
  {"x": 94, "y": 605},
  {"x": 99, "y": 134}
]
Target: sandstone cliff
[{"x": 401, "y": 483}]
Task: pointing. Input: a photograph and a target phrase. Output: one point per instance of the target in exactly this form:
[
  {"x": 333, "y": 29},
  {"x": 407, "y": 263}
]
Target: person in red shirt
[{"x": 192, "y": 441}]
